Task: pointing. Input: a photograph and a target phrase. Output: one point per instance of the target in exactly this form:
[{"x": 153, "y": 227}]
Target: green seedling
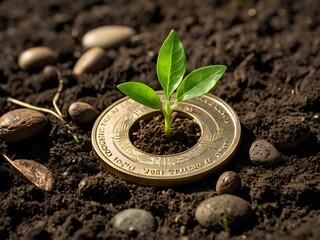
[
  {"x": 171, "y": 68},
  {"x": 224, "y": 224},
  {"x": 57, "y": 113}
]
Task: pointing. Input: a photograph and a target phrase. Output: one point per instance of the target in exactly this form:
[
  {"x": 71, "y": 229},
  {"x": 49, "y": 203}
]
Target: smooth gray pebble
[{"x": 134, "y": 220}]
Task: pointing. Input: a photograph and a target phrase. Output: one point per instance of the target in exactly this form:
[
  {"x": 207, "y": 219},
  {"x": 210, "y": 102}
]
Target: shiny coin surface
[{"x": 220, "y": 137}]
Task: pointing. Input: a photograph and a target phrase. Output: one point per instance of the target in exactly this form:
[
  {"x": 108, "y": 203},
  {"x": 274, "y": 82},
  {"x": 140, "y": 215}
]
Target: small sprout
[
  {"x": 35, "y": 172},
  {"x": 224, "y": 224},
  {"x": 57, "y": 113},
  {"x": 316, "y": 117},
  {"x": 171, "y": 67}
]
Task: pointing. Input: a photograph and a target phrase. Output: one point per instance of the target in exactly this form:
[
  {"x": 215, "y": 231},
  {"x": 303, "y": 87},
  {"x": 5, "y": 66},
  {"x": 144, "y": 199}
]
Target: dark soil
[
  {"x": 272, "y": 50},
  {"x": 149, "y": 135}
]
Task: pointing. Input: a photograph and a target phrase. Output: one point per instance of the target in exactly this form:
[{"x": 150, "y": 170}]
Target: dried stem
[
  {"x": 27, "y": 105},
  {"x": 57, "y": 95}
]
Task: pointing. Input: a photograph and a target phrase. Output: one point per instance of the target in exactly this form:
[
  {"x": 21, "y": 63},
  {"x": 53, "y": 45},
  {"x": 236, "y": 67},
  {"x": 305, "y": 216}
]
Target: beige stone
[
  {"x": 92, "y": 61},
  {"x": 36, "y": 57},
  {"x": 107, "y": 36}
]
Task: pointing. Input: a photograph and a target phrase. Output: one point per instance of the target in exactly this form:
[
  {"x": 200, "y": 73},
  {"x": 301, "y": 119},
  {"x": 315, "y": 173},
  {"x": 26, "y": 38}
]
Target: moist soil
[
  {"x": 148, "y": 135},
  {"x": 272, "y": 52}
]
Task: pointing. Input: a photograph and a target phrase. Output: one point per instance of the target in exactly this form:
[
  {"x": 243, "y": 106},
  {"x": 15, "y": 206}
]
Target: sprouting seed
[
  {"x": 57, "y": 113},
  {"x": 171, "y": 67}
]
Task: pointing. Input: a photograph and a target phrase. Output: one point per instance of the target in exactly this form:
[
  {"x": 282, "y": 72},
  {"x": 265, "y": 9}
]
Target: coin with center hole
[{"x": 220, "y": 137}]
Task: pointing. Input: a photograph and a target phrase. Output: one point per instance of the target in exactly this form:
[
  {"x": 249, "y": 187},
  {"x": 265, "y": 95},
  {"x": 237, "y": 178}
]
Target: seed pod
[
  {"x": 35, "y": 172},
  {"x": 20, "y": 124}
]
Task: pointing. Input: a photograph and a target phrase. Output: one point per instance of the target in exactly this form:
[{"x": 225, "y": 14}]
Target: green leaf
[
  {"x": 171, "y": 64},
  {"x": 199, "y": 82},
  {"x": 141, "y": 93}
]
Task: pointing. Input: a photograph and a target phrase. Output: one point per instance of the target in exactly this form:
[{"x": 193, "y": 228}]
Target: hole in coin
[{"x": 147, "y": 133}]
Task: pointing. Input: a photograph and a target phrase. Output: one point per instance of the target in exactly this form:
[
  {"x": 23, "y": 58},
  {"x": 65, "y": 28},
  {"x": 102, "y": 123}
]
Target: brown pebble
[
  {"x": 82, "y": 112},
  {"x": 92, "y": 61},
  {"x": 228, "y": 182},
  {"x": 211, "y": 212},
  {"x": 264, "y": 153},
  {"x": 20, "y": 124},
  {"x": 50, "y": 70},
  {"x": 36, "y": 57}
]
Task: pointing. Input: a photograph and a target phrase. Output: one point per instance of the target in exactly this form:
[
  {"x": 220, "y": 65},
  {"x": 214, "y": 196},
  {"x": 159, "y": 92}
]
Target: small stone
[
  {"x": 50, "y": 71},
  {"x": 36, "y": 57},
  {"x": 133, "y": 221},
  {"x": 82, "y": 112},
  {"x": 20, "y": 124},
  {"x": 289, "y": 134},
  {"x": 264, "y": 153},
  {"x": 92, "y": 61},
  {"x": 107, "y": 36},
  {"x": 228, "y": 182},
  {"x": 211, "y": 212}
]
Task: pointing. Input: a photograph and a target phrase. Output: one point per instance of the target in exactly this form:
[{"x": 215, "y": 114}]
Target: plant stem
[
  {"x": 167, "y": 120},
  {"x": 57, "y": 95}
]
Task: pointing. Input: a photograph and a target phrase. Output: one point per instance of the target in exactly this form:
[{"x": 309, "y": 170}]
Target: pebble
[
  {"x": 20, "y": 124},
  {"x": 211, "y": 212},
  {"x": 289, "y": 134},
  {"x": 228, "y": 182},
  {"x": 133, "y": 221},
  {"x": 92, "y": 61},
  {"x": 264, "y": 153},
  {"x": 107, "y": 36},
  {"x": 36, "y": 57},
  {"x": 50, "y": 71},
  {"x": 82, "y": 112}
]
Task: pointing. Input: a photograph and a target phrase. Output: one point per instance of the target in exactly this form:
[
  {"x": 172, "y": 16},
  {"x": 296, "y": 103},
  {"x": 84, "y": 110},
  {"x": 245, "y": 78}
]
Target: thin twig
[
  {"x": 27, "y": 105},
  {"x": 57, "y": 95}
]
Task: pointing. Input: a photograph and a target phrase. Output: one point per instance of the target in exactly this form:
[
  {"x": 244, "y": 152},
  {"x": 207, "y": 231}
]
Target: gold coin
[{"x": 220, "y": 137}]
